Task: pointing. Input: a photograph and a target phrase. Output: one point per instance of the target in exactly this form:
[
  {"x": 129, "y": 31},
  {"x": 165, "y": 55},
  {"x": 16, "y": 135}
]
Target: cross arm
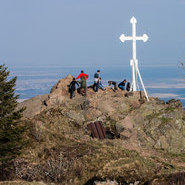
[
  {"x": 144, "y": 38},
  {"x": 123, "y": 38}
]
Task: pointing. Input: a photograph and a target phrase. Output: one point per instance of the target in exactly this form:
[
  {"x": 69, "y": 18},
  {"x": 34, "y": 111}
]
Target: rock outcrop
[
  {"x": 33, "y": 106},
  {"x": 152, "y": 124},
  {"x": 59, "y": 91},
  {"x": 148, "y": 138},
  {"x": 161, "y": 126}
]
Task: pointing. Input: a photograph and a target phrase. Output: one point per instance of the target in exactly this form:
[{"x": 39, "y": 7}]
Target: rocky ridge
[{"x": 146, "y": 139}]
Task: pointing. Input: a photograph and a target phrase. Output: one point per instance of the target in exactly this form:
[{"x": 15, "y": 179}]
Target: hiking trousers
[
  {"x": 83, "y": 88},
  {"x": 72, "y": 93},
  {"x": 96, "y": 86}
]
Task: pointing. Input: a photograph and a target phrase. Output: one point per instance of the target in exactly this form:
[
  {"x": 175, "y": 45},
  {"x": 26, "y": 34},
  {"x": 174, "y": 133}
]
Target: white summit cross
[{"x": 134, "y": 61}]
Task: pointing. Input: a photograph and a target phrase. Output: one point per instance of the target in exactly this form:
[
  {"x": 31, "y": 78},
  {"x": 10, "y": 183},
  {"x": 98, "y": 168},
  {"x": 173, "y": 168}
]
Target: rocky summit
[{"x": 144, "y": 144}]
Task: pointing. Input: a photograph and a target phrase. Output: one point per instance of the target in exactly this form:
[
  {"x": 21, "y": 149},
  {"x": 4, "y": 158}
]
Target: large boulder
[
  {"x": 160, "y": 126},
  {"x": 33, "y": 106},
  {"x": 59, "y": 91},
  {"x": 174, "y": 103},
  {"x": 125, "y": 127}
]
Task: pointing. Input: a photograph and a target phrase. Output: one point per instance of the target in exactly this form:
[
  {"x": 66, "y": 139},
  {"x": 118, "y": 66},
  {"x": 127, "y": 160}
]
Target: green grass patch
[
  {"x": 165, "y": 120},
  {"x": 170, "y": 109}
]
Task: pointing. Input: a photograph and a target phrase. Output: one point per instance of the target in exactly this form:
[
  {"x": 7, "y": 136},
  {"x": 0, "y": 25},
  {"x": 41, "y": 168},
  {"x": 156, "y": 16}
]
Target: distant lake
[{"x": 165, "y": 82}]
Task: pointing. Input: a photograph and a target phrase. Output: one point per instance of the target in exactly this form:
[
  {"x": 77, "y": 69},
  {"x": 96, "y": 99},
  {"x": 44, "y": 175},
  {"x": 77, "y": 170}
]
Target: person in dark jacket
[
  {"x": 128, "y": 86},
  {"x": 72, "y": 87},
  {"x": 114, "y": 84},
  {"x": 96, "y": 81},
  {"x": 122, "y": 85}
]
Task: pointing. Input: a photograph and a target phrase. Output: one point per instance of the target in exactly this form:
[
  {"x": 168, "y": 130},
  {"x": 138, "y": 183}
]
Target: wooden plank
[
  {"x": 94, "y": 130},
  {"x": 100, "y": 130},
  {"x": 97, "y": 130},
  {"x": 91, "y": 129}
]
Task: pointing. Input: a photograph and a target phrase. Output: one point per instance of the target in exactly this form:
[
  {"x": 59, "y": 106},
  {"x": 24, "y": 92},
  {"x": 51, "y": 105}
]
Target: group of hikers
[{"x": 82, "y": 84}]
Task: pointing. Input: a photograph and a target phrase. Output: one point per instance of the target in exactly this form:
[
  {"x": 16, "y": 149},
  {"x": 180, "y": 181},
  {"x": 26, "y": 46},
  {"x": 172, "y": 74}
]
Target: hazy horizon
[{"x": 163, "y": 82}]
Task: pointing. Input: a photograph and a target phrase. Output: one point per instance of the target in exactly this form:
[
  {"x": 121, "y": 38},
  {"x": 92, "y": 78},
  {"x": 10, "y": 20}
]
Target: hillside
[{"x": 145, "y": 140}]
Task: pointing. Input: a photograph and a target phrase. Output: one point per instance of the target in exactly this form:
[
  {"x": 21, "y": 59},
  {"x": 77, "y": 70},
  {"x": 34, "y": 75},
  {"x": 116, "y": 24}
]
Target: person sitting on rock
[
  {"x": 128, "y": 86},
  {"x": 72, "y": 88},
  {"x": 122, "y": 85},
  {"x": 96, "y": 81},
  {"x": 101, "y": 85},
  {"x": 114, "y": 84},
  {"x": 83, "y": 88}
]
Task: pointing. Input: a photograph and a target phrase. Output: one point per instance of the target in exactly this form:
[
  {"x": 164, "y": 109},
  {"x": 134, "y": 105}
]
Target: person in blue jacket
[
  {"x": 101, "y": 85},
  {"x": 122, "y": 85}
]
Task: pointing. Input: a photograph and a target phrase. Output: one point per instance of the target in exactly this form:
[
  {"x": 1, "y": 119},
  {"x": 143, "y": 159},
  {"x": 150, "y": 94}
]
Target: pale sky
[{"x": 86, "y": 32}]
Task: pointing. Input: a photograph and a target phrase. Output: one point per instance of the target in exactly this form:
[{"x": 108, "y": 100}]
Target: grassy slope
[{"x": 62, "y": 151}]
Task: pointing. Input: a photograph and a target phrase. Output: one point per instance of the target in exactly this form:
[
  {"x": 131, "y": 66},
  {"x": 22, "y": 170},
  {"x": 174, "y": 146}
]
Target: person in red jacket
[
  {"x": 83, "y": 83},
  {"x": 82, "y": 74}
]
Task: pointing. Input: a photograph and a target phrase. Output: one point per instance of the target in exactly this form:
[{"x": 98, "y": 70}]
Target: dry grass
[
  {"x": 61, "y": 151},
  {"x": 22, "y": 183}
]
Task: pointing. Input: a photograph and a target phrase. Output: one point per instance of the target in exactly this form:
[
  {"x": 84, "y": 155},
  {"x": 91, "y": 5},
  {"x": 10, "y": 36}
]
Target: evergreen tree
[{"x": 11, "y": 129}]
